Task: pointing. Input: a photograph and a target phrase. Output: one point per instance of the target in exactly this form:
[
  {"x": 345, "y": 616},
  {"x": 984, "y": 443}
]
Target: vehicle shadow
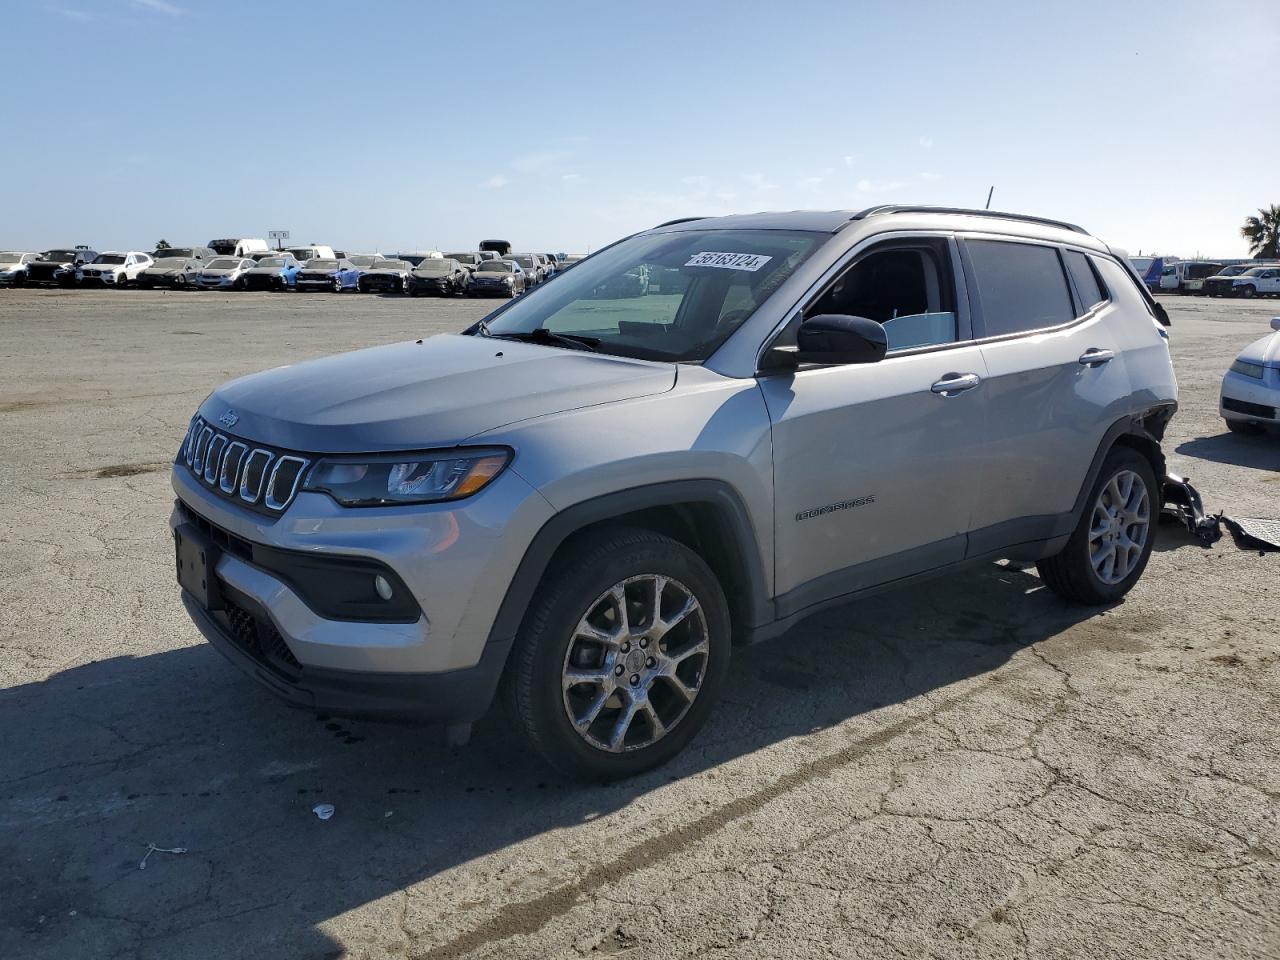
[
  {"x": 180, "y": 750},
  {"x": 1261, "y": 452}
]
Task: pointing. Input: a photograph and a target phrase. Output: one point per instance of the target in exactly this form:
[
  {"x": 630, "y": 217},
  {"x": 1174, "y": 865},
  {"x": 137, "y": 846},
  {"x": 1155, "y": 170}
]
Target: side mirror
[
  {"x": 1162, "y": 315},
  {"x": 1275, "y": 323},
  {"x": 839, "y": 338}
]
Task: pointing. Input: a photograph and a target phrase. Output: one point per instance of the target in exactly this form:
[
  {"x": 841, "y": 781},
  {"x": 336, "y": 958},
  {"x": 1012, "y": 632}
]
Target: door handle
[
  {"x": 952, "y": 384},
  {"x": 1093, "y": 357}
]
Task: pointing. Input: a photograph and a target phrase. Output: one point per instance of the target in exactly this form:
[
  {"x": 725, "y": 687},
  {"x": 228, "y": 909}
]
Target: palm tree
[{"x": 1263, "y": 233}]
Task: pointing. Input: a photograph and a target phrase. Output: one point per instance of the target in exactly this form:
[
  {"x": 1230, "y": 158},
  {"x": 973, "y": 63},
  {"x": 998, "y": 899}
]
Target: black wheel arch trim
[{"x": 731, "y": 514}]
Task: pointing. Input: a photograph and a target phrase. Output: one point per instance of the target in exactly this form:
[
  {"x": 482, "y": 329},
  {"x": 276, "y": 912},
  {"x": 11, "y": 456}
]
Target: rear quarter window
[
  {"x": 1086, "y": 280},
  {"x": 1021, "y": 286}
]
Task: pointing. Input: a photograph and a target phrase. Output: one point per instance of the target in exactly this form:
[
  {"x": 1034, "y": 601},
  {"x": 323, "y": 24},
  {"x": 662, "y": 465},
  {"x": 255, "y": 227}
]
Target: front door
[{"x": 876, "y": 465}]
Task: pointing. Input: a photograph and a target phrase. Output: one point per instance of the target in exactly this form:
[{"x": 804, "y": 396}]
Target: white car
[
  {"x": 1250, "y": 397},
  {"x": 13, "y": 265},
  {"x": 224, "y": 273},
  {"x": 114, "y": 268},
  {"x": 1258, "y": 282}
]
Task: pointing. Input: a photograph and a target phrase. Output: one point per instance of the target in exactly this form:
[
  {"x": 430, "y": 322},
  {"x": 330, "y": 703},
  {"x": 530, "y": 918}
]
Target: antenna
[{"x": 989, "y": 193}]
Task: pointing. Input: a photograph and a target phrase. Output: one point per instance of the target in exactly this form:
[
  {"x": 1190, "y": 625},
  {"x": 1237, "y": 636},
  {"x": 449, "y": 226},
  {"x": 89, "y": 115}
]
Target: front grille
[
  {"x": 1252, "y": 409},
  {"x": 264, "y": 479}
]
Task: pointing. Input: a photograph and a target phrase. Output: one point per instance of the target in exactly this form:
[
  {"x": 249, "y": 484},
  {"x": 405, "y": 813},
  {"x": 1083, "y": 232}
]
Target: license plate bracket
[{"x": 197, "y": 559}]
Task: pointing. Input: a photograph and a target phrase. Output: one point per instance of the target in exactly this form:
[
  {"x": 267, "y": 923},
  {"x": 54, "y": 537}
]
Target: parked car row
[
  {"x": 1250, "y": 278},
  {"x": 231, "y": 264}
]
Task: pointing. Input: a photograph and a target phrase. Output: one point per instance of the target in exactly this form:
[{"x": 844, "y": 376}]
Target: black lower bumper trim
[{"x": 454, "y": 696}]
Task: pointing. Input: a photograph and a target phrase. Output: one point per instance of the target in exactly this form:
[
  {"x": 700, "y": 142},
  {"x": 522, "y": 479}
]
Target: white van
[
  {"x": 1187, "y": 276},
  {"x": 234, "y": 247},
  {"x": 311, "y": 251}
]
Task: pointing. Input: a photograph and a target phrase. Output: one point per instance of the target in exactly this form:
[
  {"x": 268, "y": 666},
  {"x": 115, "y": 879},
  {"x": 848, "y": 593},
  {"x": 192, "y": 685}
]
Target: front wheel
[
  {"x": 622, "y": 656},
  {"x": 1248, "y": 292},
  {"x": 1245, "y": 428},
  {"x": 1111, "y": 544},
  {"x": 337, "y": 285}
]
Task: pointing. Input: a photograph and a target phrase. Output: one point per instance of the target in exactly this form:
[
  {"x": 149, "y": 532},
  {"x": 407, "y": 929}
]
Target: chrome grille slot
[
  {"x": 202, "y": 444},
  {"x": 231, "y": 466},
  {"x": 284, "y": 481},
  {"x": 255, "y": 475},
  {"x": 264, "y": 479},
  {"x": 213, "y": 457}
]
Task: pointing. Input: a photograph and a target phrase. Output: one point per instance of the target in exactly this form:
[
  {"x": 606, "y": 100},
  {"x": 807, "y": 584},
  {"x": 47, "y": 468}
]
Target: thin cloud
[
  {"x": 850, "y": 159},
  {"x": 570, "y": 176},
  {"x": 496, "y": 182},
  {"x": 80, "y": 16},
  {"x": 930, "y": 176},
  {"x": 159, "y": 6},
  {"x": 880, "y": 186},
  {"x": 926, "y": 142}
]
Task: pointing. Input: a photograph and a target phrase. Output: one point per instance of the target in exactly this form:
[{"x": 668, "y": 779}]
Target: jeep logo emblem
[{"x": 229, "y": 419}]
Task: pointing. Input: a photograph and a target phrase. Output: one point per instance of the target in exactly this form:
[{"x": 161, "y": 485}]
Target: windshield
[
  {"x": 10, "y": 257},
  {"x": 526, "y": 262},
  {"x": 112, "y": 258},
  {"x": 494, "y": 266},
  {"x": 435, "y": 266},
  {"x": 322, "y": 265},
  {"x": 363, "y": 260},
  {"x": 1254, "y": 271},
  {"x": 171, "y": 263},
  {"x": 667, "y": 296},
  {"x": 390, "y": 265},
  {"x": 224, "y": 263},
  {"x": 1234, "y": 271},
  {"x": 472, "y": 258},
  {"x": 58, "y": 255},
  {"x": 272, "y": 262}
]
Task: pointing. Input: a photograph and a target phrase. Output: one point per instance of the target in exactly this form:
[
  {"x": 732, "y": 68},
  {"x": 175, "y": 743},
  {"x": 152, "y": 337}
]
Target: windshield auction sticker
[{"x": 750, "y": 262}]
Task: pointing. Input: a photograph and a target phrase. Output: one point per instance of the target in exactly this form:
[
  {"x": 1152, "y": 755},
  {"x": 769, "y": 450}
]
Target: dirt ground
[{"x": 965, "y": 769}]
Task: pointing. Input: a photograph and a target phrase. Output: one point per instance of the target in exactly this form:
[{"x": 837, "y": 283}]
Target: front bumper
[
  {"x": 419, "y": 285},
  {"x": 1252, "y": 401},
  {"x": 456, "y": 559},
  {"x": 490, "y": 289},
  {"x": 265, "y": 281}
]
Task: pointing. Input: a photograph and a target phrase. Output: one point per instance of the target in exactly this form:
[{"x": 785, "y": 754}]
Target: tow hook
[{"x": 1182, "y": 502}]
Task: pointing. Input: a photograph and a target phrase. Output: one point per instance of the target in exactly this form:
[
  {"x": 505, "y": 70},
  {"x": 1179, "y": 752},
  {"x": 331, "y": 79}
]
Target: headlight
[
  {"x": 407, "y": 478},
  {"x": 508, "y": 279},
  {"x": 1247, "y": 369}
]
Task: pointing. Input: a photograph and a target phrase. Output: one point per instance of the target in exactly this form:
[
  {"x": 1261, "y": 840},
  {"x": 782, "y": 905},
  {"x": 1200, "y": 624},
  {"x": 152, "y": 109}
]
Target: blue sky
[{"x": 563, "y": 125}]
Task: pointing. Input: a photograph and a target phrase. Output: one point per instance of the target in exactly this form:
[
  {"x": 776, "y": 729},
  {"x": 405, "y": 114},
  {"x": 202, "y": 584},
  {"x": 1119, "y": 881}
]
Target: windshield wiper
[{"x": 542, "y": 335}]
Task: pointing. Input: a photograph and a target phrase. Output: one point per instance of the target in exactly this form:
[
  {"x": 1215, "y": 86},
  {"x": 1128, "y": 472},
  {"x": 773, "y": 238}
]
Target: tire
[
  {"x": 122, "y": 282},
  {"x": 1244, "y": 428},
  {"x": 179, "y": 282},
  {"x": 580, "y": 585},
  {"x": 337, "y": 285},
  {"x": 1248, "y": 292},
  {"x": 239, "y": 284},
  {"x": 19, "y": 280},
  {"x": 1071, "y": 574}
]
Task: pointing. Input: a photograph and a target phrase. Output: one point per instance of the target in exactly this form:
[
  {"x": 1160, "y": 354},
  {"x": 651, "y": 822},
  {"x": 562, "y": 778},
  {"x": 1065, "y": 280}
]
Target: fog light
[{"x": 383, "y": 586}]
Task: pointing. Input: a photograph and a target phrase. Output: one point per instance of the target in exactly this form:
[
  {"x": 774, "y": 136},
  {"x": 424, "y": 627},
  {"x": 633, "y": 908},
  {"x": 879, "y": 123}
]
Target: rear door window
[
  {"x": 1021, "y": 286},
  {"x": 1086, "y": 280}
]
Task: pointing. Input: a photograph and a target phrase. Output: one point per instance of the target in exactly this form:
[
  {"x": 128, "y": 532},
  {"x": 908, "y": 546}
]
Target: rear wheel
[
  {"x": 622, "y": 655},
  {"x": 1110, "y": 546}
]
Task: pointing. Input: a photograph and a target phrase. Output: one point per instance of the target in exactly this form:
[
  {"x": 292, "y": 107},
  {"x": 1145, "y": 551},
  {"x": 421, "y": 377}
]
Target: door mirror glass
[
  {"x": 840, "y": 338},
  {"x": 1275, "y": 323},
  {"x": 1162, "y": 314}
]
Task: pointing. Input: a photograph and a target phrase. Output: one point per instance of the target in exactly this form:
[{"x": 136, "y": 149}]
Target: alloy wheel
[
  {"x": 635, "y": 663},
  {"x": 1119, "y": 527}
]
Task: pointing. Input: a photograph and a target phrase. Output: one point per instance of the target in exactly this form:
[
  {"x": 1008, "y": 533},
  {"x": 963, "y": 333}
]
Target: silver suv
[{"x": 588, "y": 498}]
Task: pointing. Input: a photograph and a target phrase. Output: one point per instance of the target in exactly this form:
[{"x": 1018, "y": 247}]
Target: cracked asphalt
[{"x": 965, "y": 769}]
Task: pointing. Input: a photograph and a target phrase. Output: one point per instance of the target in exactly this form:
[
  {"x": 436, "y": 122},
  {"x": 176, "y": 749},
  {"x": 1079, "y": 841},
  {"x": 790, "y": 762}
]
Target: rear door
[
  {"x": 1055, "y": 383},
  {"x": 876, "y": 465}
]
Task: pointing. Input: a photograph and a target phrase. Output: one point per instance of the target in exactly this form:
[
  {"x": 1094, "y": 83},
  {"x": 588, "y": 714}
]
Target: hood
[
  {"x": 265, "y": 271},
  {"x": 218, "y": 271},
  {"x": 385, "y": 273},
  {"x": 491, "y": 275},
  {"x": 435, "y": 393},
  {"x": 1265, "y": 351}
]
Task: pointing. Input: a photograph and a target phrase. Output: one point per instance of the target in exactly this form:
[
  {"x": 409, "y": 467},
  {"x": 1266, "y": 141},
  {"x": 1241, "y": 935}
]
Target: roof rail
[
  {"x": 997, "y": 214},
  {"x": 672, "y": 223}
]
